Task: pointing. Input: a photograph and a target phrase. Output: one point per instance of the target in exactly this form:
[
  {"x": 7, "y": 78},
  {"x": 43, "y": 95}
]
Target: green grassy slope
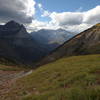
[{"x": 73, "y": 78}]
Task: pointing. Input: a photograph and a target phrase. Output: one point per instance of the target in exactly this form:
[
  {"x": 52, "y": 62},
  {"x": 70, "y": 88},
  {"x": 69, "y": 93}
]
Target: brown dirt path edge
[{"x": 8, "y": 78}]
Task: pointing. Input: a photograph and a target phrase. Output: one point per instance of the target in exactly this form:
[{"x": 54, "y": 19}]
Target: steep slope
[
  {"x": 73, "y": 78},
  {"x": 87, "y": 42},
  {"x": 17, "y": 46}
]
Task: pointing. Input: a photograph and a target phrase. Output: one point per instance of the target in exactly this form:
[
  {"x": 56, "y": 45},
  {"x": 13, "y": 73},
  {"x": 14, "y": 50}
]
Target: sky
[
  {"x": 71, "y": 15},
  {"x": 68, "y": 5}
]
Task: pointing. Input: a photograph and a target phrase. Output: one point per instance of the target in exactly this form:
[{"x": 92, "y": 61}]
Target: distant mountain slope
[
  {"x": 51, "y": 39},
  {"x": 73, "y": 78},
  {"x": 45, "y": 36},
  {"x": 87, "y": 42}
]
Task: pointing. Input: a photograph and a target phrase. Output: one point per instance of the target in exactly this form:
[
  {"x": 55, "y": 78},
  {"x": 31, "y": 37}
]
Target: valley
[
  {"x": 49, "y": 49},
  {"x": 34, "y": 70}
]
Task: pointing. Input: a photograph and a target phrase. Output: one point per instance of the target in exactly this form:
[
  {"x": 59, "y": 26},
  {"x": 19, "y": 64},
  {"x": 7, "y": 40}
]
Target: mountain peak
[{"x": 12, "y": 24}]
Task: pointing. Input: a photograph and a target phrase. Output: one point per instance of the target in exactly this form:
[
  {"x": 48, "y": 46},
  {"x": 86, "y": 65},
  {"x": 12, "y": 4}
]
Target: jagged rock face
[
  {"x": 17, "y": 45},
  {"x": 87, "y": 42}
]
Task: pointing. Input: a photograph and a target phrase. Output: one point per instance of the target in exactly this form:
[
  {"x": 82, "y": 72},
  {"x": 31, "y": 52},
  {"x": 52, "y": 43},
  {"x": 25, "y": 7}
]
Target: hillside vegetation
[{"x": 73, "y": 78}]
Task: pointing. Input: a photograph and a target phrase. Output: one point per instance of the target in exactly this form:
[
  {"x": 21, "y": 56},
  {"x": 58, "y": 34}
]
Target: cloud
[
  {"x": 19, "y": 10},
  {"x": 67, "y": 18},
  {"x": 92, "y": 16},
  {"x": 76, "y": 21},
  {"x": 72, "y": 21},
  {"x": 77, "y": 28},
  {"x": 23, "y": 11},
  {"x": 37, "y": 25},
  {"x": 45, "y": 13},
  {"x": 40, "y": 6}
]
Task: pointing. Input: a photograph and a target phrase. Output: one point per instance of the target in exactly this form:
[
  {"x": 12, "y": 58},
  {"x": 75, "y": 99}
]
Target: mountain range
[
  {"x": 20, "y": 47},
  {"x": 46, "y": 36},
  {"x": 43, "y": 46}
]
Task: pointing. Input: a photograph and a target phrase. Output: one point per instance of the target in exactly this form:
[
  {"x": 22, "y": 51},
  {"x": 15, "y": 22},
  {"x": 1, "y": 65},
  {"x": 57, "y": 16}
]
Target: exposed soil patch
[
  {"x": 97, "y": 72},
  {"x": 8, "y": 78}
]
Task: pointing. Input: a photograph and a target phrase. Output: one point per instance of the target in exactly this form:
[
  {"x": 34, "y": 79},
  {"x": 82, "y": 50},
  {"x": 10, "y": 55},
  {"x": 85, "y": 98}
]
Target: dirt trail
[{"x": 7, "y": 78}]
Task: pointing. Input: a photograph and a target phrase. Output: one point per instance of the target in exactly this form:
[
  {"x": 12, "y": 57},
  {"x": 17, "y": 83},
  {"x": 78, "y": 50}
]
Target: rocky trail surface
[{"x": 8, "y": 78}]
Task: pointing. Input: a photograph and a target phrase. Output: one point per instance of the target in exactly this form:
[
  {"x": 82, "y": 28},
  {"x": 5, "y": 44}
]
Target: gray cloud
[
  {"x": 19, "y": 10},
  {"x": 92, "y": 16},
  {"x": 71, "y": 19},
  {"x": 76, "y": 21}
]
